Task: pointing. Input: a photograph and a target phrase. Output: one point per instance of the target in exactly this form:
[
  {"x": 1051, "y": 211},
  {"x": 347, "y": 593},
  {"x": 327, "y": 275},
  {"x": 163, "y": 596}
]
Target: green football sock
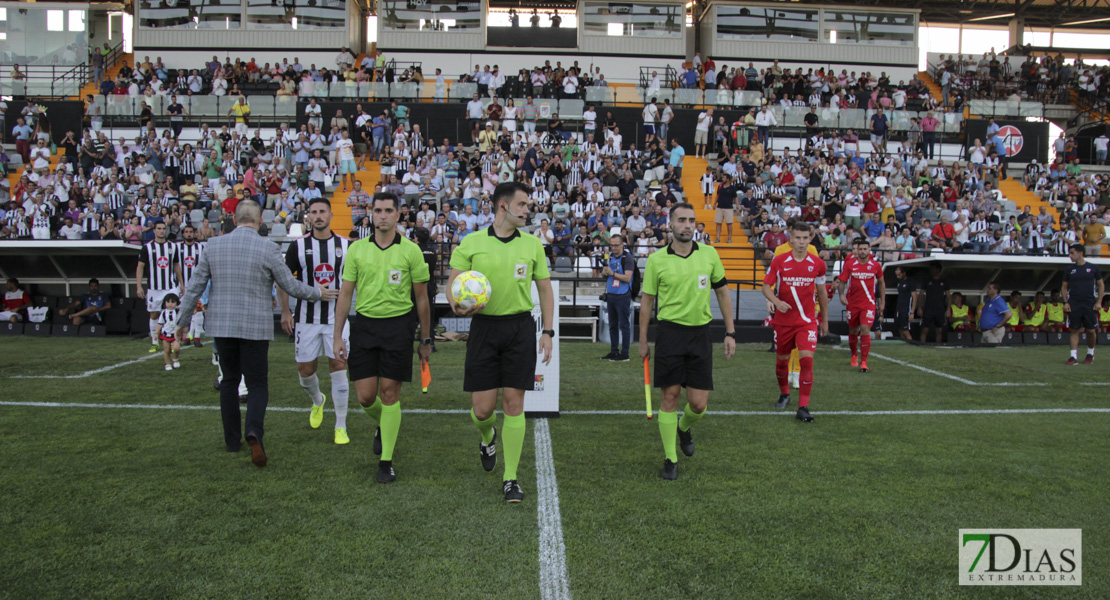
[
  {"x": 484, "y": 427},
  {"x": 689, "y": 417},
  {"x": 375, "y": 410},
  {"x": 512, "y": 432},
  {"x": 390, "y": 424},
  {"x": 667, "y": 422}
]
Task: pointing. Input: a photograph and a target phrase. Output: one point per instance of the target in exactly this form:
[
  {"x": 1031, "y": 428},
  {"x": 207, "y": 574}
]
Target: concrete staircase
[
  {"x": 738, "y": 256},
  {"x": 341, "y": 213},
  {"x": 934, "y": 87},
  {"x": 94, "y": 87}
]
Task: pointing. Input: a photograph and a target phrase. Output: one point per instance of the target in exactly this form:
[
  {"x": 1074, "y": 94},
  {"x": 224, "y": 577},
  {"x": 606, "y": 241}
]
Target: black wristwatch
[
  {"x": 426, "y": 341},
  {"x": 731, "y": 334},
  {"x": 550, "y": 332}
]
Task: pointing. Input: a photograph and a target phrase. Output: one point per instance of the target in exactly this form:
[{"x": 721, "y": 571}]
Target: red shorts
[
  {"x": 804, "y": 338},
  {"x": 964, "y": 327},
  {"x": 166, "y": 338},
  {"x": 861, "y": 316}
]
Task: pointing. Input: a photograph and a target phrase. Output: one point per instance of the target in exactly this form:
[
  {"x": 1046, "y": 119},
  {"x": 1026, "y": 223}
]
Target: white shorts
[
  {"x": 154, "y": 299},
  {"x": 310, "y": 341},
  {"x": 6, "y": 316}
]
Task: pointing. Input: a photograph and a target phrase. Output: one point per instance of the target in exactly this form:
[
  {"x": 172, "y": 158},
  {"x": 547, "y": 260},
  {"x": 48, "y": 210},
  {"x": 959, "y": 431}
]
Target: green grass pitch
[{"x": 145, "y": 503}]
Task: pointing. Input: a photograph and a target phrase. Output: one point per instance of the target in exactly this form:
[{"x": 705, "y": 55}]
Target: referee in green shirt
[
  {"x": 501, "y": 349},
  {"x": 681, "y": 277},
  {"x": 388, "y": 271}
]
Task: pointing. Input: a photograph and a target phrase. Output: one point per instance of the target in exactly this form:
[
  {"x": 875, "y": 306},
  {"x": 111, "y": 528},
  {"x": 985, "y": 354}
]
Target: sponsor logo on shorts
[{"x": 813, "y": 336}]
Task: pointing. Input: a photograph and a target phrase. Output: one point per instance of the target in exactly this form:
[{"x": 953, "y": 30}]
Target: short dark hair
[
  {"x": 386, "y": 196},
  {"x": 171, "y": 297},
  {"x": 681, "y": 205},
  {"x": 799, "y": 225},
  {"x": 862, "y": 241},
  {"x": 94, "y": 280},
  {"x": 505, "y": 191},
  {"x": 994, "y": 286},
  {"x": 1077, "y": 248},
  {"x": 616, "y": 236},
  {"x": 320, "y": 201}
]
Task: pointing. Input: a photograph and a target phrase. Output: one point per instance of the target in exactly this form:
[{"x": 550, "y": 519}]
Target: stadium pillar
[{"x": 1017, "y": 31}]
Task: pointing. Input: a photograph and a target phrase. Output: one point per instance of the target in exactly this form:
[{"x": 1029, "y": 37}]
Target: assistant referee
[
  {"x": 388, "y": 271},
  {"x": 681, "y": 277},
  {"x": 501, "y": 349}
]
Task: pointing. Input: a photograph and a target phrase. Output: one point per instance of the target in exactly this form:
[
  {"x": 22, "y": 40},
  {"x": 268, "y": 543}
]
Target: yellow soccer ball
[{"x": 471, "y": 289}]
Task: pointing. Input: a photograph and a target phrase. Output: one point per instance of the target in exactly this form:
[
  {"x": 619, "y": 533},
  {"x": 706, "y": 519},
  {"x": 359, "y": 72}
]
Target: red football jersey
[
  {"x": 861, "y": 278},
  {"x": 796, "y": 284}
]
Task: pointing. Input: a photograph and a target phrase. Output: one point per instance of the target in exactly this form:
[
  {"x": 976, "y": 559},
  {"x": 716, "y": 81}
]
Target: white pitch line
[
  {"x": 571, "y": 413},
  {"x": 554, "y": 584},
  {"x": 94, "y": 371},
  {"x": 953, "y": 377}
]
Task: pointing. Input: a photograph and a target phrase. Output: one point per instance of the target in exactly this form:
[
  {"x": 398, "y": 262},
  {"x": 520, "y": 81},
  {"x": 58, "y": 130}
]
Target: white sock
[
  {"x": 1075, "y": 354},
  {"x": 311, "y": 386},
  {"x": 153, "y": 326},
  {"x": 196, "y": 325},
  {"x": 340, "y": 388},
  {"x": 1090, "y": 351},
  {"x": 242, "y": 386}
]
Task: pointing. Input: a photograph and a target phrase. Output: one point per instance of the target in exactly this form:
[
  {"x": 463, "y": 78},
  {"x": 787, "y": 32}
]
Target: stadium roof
[{"x": 1079, "y": 14}]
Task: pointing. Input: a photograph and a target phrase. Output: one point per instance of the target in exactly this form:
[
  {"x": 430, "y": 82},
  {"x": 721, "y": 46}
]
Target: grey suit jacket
[{"x": 243, "y": 267}]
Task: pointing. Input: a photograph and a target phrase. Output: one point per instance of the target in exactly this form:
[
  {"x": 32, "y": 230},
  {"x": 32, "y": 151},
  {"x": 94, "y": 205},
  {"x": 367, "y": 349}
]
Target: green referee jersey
[
  {"x": 383, "y": 277},
  {"x": 681, "y": 285},
  {"x": 510, "y": 264}
]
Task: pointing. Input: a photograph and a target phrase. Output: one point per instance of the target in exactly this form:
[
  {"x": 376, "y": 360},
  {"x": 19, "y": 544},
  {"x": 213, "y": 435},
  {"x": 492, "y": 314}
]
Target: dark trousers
[
  {"x": 248, "y": 359},
  {"x": 620, "y": 312},
  {"x": 930, "y": 138}
]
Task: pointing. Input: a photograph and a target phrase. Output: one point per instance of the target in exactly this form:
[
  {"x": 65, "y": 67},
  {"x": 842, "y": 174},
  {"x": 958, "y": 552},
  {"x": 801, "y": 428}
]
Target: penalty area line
[{"x": 571, "y": 413}]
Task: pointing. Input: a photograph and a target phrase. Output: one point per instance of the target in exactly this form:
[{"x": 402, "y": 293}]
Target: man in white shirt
[
  {"x": 665, "y": 120},
  {"x": 475, "y": 111},
  {"x": 701, "y": 132},
  {"x": 650, "y": 116},
  {"x": 589, "y": 118},
  {"x": 69, "y": 231},
  {"x": 764, "y": 120},
  {"x": 1101, "y": 143},
  {"x": 344, "y": 60}
]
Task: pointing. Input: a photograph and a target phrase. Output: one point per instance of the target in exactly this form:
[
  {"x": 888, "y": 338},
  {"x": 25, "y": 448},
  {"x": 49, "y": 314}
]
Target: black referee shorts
[
  {"x": 901, "y": 321},
  {"x": 1082, "y": 317},
  {"x": 683, "y": 356},
  {"x": 381, "y": 347},
  {"x": 930, "y": 319},
  {"x": 501, "y": 353}
]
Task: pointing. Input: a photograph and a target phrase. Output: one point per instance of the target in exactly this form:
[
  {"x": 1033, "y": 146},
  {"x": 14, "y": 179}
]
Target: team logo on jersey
[
  {"x": 703, "y": 282},
  {"x": 521, "y": 271},
  {"x": 190, "y": 261},
  {"x": 395, "y": 276},
  {"x": 338, "y": 252},
  {"x": 810, "y": 267},
  {"x": 163, "y": 262},
  {"x": 324, "y": 274}
]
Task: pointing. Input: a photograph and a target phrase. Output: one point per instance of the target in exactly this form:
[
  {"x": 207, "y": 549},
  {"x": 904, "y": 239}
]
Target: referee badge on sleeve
[
  {"x": 703, "y": 282},
  {"x": 395, "y": 276}
]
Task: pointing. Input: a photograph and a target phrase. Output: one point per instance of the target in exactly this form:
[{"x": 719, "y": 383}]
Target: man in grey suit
[{"x": 243, "y": 267}]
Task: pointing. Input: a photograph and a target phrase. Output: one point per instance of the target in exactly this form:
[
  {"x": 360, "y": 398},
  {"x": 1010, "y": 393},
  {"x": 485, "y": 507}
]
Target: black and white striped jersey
[
  {"x": 317, "y": 263},
  {"x": 189, "y": 255},
  {"x": 159, "y": 259}
]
